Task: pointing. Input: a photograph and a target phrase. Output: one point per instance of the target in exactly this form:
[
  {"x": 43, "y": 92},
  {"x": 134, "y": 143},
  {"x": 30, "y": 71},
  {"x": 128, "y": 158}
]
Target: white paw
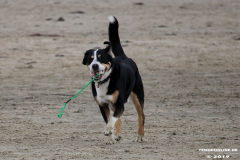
[
  {"x": 111, "y": 142},
  {"x": 107, "y": 133},
  {"x": 108, "y": 130},
  {"x": 139, "y": 139},
  {"x": 118, "y": 138}
]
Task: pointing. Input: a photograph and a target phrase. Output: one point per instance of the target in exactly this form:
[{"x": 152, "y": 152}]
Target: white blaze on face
[
  {"x": 95, "y": 55},
  {"x": 94, "y": 60}
]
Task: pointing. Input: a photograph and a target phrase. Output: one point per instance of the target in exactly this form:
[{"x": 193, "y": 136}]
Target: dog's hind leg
[
  {"x": 137, "y": 96},
  {"x": 141, "y": 117}
]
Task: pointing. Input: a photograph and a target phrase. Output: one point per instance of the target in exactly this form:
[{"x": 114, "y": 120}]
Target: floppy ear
[
  {"x": 108, "y": 47},
  {"x": 84, "y": 62}
]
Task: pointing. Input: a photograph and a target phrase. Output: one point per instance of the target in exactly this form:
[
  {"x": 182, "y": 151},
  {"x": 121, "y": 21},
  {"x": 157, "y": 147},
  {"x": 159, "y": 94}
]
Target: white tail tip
[{"x": 111, "y": 19}]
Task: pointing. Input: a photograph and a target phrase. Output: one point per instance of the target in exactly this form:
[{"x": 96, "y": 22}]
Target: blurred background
[{"x": 187, "y": 52}]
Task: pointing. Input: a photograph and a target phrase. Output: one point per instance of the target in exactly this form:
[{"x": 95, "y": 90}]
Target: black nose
[{"x": 95, "y": 67}]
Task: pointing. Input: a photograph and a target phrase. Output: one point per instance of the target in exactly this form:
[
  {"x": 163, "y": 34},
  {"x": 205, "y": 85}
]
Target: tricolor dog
[{"x": 118, "y": 79}]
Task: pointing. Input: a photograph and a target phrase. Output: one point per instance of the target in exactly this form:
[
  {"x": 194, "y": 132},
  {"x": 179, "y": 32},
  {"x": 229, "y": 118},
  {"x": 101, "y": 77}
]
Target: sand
[{"x": 188, "y": 54}]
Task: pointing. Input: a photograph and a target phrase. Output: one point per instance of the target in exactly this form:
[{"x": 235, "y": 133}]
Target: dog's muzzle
[{"x": 96, "y": 70}]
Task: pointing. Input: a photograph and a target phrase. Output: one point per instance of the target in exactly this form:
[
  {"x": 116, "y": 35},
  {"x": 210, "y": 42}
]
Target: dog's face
[{"x": 98, "y": 61}]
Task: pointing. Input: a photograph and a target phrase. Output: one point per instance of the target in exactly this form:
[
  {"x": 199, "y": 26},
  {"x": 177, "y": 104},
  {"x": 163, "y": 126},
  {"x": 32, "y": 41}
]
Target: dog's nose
[{"x": 95, "y": 67}]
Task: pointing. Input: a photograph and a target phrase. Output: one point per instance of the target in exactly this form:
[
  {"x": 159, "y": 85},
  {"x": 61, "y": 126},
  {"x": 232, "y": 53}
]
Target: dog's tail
[{"x": 114, "y": 37}]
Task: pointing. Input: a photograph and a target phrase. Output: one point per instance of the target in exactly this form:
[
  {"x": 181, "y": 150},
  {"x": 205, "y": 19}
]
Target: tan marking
[
  {"x": 108, "y": 66},
  {"x": 119, "y": 115},
  {"x": 118, "y": 123},
  {"x": 114, "y": 99},
  {"x": 115, "y": 96},
  {"x": 118, "y": 127},
  {"x": 100, "y": 104},
  {"x": 92, "y": 57},
  {"x": 141, "y": 117},
  {"x": 99, "y": 55}
]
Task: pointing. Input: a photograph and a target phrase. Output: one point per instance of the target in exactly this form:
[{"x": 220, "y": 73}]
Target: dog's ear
[
  {"x": 108, "y": 47},
  {"x": 84, "y": 62}
]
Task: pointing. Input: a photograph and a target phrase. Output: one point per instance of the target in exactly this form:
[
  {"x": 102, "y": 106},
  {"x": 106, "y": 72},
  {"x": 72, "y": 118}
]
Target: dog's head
[{"x": 98, "y": 61}]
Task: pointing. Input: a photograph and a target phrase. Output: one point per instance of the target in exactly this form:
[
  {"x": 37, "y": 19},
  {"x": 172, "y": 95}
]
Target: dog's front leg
[
  {"x": 105, "y": 112},
  {"x": 117, "y": 112},
  {"x": 110, "y": 129}
]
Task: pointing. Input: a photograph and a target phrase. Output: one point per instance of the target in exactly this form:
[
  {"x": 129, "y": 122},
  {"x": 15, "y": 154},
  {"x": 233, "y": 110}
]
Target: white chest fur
[{"x": 102, "y": 93}]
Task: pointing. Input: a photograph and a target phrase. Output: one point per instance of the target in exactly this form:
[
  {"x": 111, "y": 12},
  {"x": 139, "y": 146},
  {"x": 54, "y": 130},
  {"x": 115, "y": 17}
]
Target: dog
[{"x": 118, "y": 79}]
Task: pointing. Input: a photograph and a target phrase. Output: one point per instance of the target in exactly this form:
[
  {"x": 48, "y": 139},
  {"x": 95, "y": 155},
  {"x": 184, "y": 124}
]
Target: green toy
[{"x": 60, "y": 115}]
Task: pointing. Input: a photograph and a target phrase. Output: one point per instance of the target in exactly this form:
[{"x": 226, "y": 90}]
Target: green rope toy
[{"x": 60, "y": 115}]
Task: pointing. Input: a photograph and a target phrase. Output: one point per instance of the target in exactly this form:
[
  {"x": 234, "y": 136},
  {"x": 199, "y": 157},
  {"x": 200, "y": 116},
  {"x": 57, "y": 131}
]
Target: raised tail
[{"x": 114, "y": 37}]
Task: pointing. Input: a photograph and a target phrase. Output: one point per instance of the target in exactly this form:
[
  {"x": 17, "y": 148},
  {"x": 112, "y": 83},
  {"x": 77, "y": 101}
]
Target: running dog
[{"x": 118, "y": 79}]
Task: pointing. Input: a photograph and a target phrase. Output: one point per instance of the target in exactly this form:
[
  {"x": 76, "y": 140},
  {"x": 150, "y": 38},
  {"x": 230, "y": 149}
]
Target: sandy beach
[{"x": 187, "y": 52}]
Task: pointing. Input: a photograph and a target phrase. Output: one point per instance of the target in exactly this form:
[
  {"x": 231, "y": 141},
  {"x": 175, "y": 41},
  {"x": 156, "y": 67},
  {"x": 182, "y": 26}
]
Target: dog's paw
[
  {"x": 108, "y": 130},
  {"x": 118, "y": 138},
  {"x": 107, "y": 133},
  {"x": 139, "y": 139},
  {"x": 112, "y": 141}
]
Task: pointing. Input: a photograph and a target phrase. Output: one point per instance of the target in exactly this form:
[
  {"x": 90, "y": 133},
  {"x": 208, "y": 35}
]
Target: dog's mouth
[{"x": 101, "y": 73}]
